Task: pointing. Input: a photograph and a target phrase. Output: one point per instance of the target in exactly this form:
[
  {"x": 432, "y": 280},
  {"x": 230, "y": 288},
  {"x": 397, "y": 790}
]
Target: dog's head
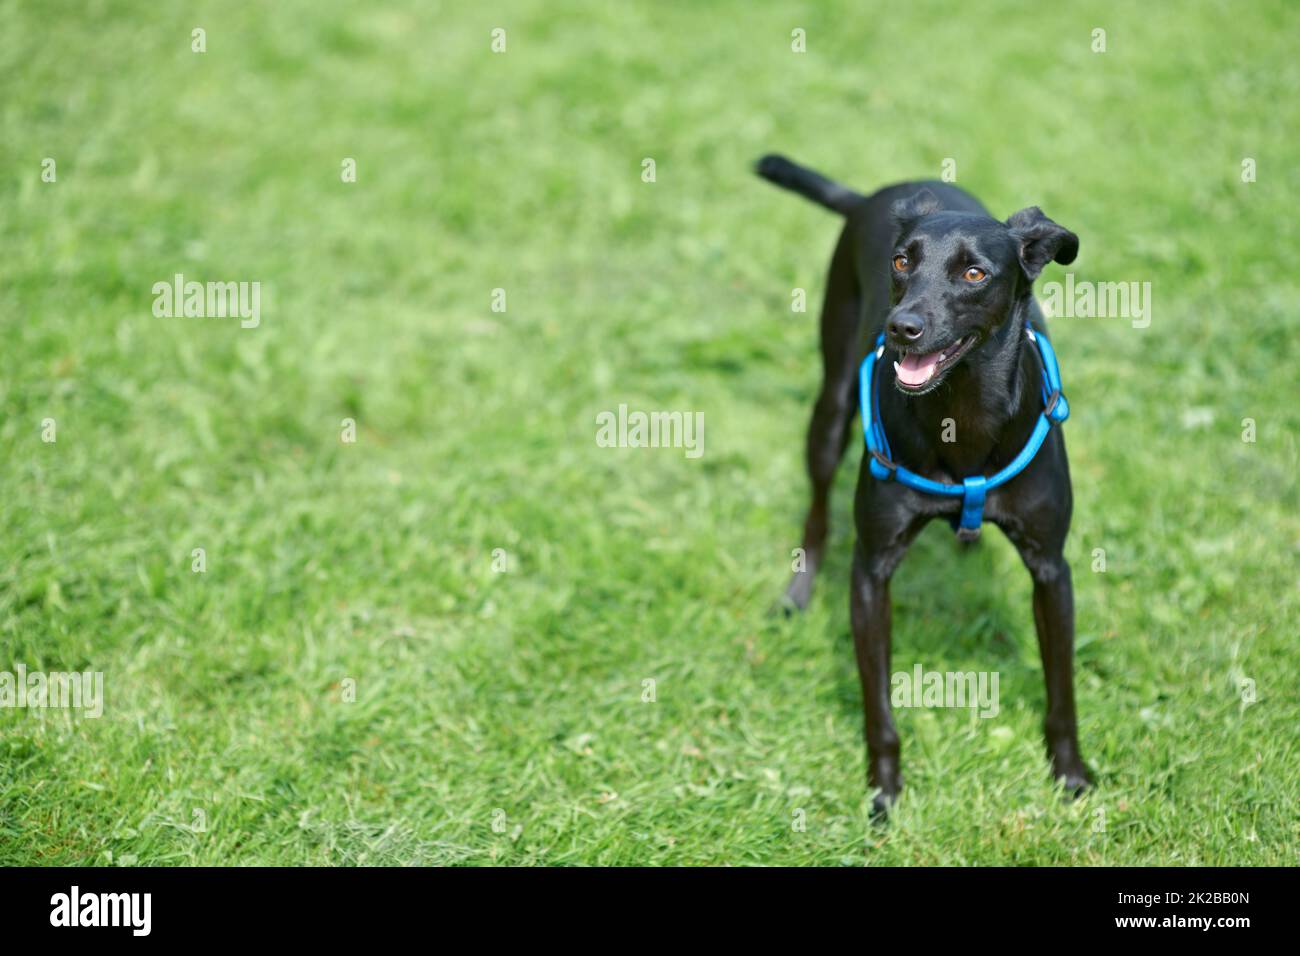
[{"x": 956, "y": 277}]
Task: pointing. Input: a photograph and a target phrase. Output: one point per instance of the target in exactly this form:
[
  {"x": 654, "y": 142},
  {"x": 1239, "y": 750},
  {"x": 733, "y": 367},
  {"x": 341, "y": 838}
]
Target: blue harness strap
[
  {"x": 972, "y": 490},
  {"x": 972, "y": 502}
]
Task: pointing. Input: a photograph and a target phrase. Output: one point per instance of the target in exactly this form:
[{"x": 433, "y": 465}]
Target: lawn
[{"x": 432, "y": 645}]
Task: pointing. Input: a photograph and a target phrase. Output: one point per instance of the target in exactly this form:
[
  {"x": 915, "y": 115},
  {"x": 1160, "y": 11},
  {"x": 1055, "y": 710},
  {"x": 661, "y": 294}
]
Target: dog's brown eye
[
  {"x": 900, "y": 263},
  {"x": 974, "y": 274}
]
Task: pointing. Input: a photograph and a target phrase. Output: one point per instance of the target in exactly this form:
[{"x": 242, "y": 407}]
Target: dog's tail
[{"x": 810, "y": 185}]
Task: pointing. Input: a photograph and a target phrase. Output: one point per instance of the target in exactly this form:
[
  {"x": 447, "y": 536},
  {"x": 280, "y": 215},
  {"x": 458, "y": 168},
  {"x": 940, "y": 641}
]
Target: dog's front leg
[
  {"x": 869, "y": 612},
  {"x": 1054, "y": 622}
]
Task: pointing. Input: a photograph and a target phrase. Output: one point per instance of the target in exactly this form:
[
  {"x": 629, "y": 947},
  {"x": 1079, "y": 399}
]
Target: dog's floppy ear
[
  {"x": 1041, "y": 241},
  {"x": 907, "y": 211}
]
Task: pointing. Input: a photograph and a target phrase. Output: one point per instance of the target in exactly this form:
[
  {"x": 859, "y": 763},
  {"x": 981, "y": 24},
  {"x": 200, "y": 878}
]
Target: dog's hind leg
[{"x": 832, "y": 419}]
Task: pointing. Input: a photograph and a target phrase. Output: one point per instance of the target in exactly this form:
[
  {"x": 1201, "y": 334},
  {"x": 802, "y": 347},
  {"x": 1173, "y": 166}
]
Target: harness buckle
[
  {"x": 881, "y": 467},
  {"x": 1057, "y": 409}
]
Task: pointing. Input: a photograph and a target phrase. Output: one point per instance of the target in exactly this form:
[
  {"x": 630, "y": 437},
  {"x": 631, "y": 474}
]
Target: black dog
[{"x": 951, "y": 288}]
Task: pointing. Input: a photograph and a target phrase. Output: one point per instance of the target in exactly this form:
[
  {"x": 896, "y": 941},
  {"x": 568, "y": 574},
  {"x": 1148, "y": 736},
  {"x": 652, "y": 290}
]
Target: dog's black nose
[{"x": 907, "y": 326}]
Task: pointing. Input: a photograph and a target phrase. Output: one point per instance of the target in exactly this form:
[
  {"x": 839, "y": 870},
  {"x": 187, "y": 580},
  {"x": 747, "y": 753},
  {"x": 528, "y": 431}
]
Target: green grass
[{"x": 521, "y": 692}]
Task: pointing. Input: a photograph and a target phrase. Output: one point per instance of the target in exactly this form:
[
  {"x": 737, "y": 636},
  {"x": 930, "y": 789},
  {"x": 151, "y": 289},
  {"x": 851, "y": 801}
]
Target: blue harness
[{"x": 971, "y": 490}]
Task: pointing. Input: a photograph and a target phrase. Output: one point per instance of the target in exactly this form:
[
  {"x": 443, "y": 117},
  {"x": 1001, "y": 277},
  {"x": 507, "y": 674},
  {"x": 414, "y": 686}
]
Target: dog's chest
[{"x": 999, "y": 506}]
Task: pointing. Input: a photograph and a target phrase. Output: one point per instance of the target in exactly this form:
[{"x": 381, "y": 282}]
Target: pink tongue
[{"x": 917, "y": 369}]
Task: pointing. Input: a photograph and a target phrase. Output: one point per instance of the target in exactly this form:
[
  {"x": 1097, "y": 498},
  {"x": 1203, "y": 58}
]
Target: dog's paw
[
  {"x": 797, "y": 594},
  {"x": 1074, "y": 781},
  {"x": 881, "y": 804},
  {"x": 783, "y": 608}
]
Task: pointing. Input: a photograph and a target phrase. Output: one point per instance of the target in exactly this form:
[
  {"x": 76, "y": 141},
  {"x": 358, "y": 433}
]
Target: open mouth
[{"x": 921, "y": 371}]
